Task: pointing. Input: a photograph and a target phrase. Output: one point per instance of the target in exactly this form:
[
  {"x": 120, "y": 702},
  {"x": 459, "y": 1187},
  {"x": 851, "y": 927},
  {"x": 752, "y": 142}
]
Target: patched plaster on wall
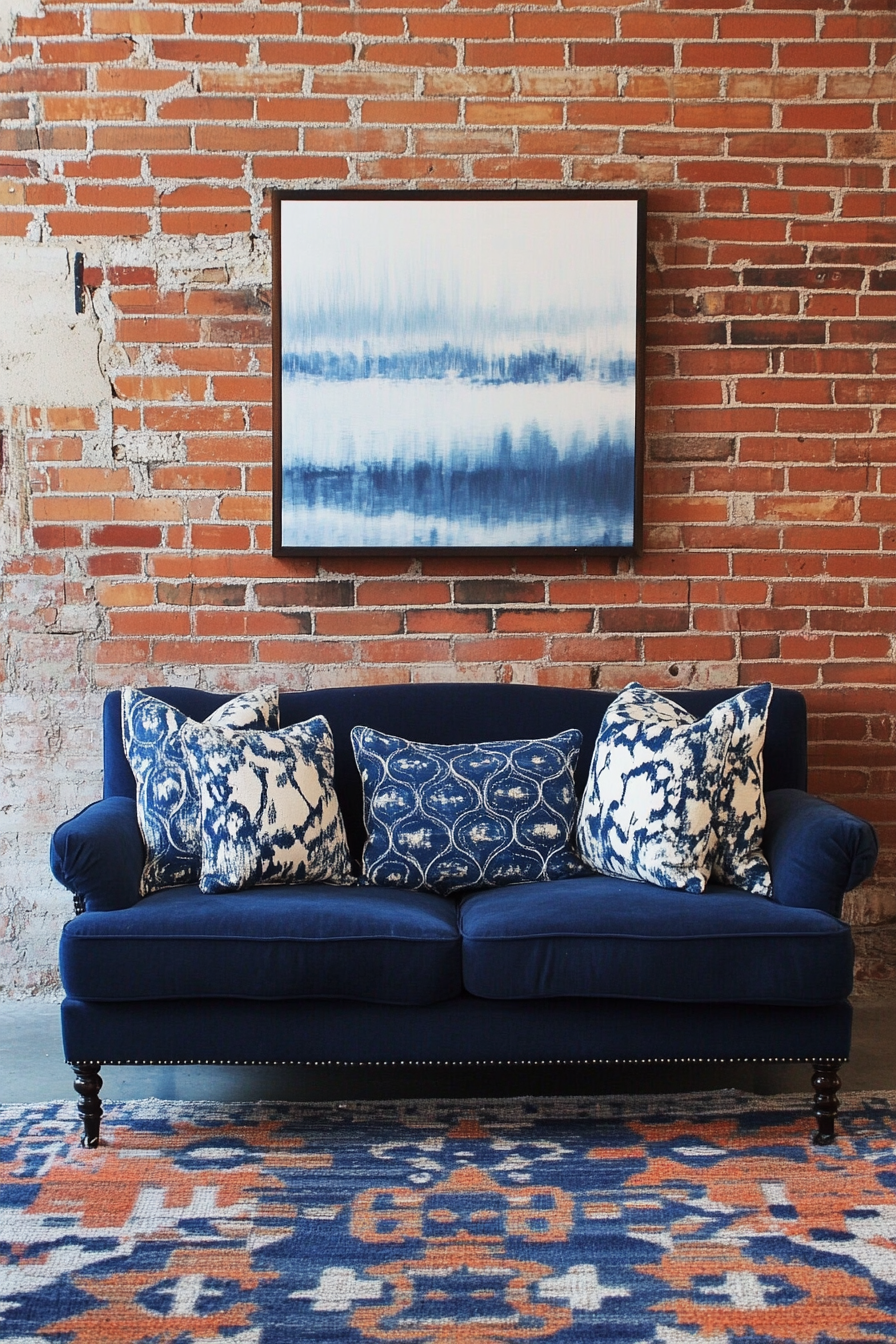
[
  {"x": 10, "y": 10},
  {"x": 49, "y": 354},
  {"x": 49, "y": 749}
]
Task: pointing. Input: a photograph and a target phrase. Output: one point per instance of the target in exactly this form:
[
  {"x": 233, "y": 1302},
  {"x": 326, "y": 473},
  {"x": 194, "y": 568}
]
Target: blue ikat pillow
[
  {"x": 167, "y": 799},
  {"x": 673, "y": 800},
  {"x": 449, "y": 819},
  {"x": 270, "y": 814}
]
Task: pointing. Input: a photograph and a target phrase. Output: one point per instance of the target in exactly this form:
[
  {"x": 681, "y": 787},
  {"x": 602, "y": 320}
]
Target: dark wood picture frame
[{"x": 424, "y": 400}]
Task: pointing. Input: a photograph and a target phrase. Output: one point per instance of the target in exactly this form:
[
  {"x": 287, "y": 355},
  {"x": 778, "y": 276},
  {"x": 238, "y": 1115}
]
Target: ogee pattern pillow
[
  {"x": 270, "y": 814},
  {"x": 167, "y": 799},
  {"x": 454, "y": 818},
  {"x": 649, "y": 806}
]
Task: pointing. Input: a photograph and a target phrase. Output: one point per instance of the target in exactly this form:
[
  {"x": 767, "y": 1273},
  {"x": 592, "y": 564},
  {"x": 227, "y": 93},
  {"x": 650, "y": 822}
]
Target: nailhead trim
[{"x": 449, "y": 1063}]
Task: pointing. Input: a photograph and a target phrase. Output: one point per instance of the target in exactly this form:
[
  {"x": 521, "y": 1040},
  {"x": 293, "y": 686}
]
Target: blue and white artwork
[{"x": 458, "y": 372}]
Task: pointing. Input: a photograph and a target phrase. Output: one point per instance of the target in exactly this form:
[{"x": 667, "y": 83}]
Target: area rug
[{"x": 704, "y": 1219}]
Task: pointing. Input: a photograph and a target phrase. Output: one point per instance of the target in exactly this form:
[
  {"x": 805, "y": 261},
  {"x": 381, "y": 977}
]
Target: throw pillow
[
  {"x": 739, "y": 821},
  {"x": 454, "y": 818},
  {"x": 270, "y": 814},
  {"x": 650, "y": 803},
  {"x": 167, "y": 800},
  {"x": 738, "y": 859}
]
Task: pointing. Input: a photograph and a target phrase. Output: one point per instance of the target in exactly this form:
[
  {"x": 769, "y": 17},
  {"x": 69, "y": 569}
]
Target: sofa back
[{"x": 453, "y": 712}]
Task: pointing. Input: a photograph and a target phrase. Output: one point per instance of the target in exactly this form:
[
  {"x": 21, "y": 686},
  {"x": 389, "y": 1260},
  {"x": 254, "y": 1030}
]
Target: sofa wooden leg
[
  {"x": 826, "y": 1082},
  {"x": 87, "y": 1084}
]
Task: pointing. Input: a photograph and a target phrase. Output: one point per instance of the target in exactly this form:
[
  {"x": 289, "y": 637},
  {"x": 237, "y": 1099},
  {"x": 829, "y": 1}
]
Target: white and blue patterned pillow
[
  {"x": 455, "y": 818},
  {"x": 649, "y": 805},
  {"x": 739, "y": 819},
  {"x": 740, "y": 811},
  {"x": 167, "y": 799},
  {"x": 672, "y": 800},
  {"x": 270, "y": 814}
]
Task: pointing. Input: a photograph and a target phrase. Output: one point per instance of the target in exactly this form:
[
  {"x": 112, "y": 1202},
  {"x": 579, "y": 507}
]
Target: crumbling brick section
[{"x": 147, "y": 135}]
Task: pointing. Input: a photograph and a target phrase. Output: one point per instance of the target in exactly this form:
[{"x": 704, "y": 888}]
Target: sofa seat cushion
[
  {"x": 602, "y": 936},
  {"x": 290, "y": 942}
]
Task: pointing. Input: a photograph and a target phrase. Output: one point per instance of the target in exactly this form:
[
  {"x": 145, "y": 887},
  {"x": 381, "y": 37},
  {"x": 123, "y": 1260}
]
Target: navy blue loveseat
[{"x": 591, "y": 969}]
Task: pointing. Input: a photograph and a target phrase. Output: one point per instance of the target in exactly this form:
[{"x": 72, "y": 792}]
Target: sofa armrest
[
  {"x": 816, "y": 851},
  {"x": 98, "y": 855}
]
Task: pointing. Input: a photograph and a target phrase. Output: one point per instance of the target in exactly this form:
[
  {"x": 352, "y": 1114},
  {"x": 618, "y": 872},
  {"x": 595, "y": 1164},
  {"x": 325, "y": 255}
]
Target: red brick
[
  {"x": 207, "y": 109},
  {"x": 594, "y": 648},
  {"x": 209, "y": 651},
  {"x": 634, "y": 54},
  {"x": 110, "y": 594},
  {"x": 447, "y": 621},
  {"x": 197, "y": 478},
  {"x": 132, "y": 79},
  {"x": 86, "y": 53},
  {"x": 825, "y": 56},
  {"x": 141, "y": 138},
  {"x": 420, "y": 111},
  {"x": 305, "y": 53},
  {"x": 405, "y": 651},
  {"x": 488, "y": 113},
  {"x": 358, "y": 623},
  {"x": 125, "y": 623},
  {"x": 367, "y": 83},
  {"x": 299, "y": 109},
  {"x": 49, "y": 25},
  {"x": 123, "y": 652},
  {"x": 230, "y": 536},
  {"x": 195, "y": 222},
  {"x": 76, "y": 224},
  {"x": 135, "y": 21},
  {"x": 370, "y": 140},
  {"x": 195, "y": 53},
  {"x": 111, "y": 197},
  {"x": 113, "y": 562},
  {"x": 384, "y": 593},
  {"x": 297, "y": 651},
  {"x": 36, "y": 80},
  {"x": 59, "y": 537},
  {"x": 241, "y": 23},
  {"x": 322, "y": 24},
  {"x": 418, "y": 55},
  {"x": 504, "y": 648},
  {"x": 470, "y": 26},
  {"x": 727, "y": 55},
  {"x": 513, "y": 54},
  {"x": 306, "y": 166},
  {"x": 210, "y": 197},
  {"x": 767, "y": 25}
]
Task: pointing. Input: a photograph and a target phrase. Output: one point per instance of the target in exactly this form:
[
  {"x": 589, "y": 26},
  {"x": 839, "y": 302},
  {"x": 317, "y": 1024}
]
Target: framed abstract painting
[{"x": 458, "y": 370}]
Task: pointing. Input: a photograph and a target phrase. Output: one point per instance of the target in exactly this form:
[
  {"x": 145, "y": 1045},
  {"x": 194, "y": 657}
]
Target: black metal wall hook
[{"x": 80, "y": 304}]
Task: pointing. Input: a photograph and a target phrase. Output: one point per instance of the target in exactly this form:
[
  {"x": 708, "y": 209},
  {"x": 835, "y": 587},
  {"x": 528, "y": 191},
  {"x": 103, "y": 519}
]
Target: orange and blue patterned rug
[{"x": 704, "y": 1219}]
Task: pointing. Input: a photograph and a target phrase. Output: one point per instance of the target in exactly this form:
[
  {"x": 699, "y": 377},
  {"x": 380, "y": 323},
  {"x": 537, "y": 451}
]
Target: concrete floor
[{"x": 32, "y": 1068}]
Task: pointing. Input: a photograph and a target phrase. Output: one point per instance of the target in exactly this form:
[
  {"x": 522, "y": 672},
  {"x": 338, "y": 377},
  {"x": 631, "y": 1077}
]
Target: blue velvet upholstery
[
  {"x": 98, "y": 855},
  {"x": 461, "y": 1030},
  {"x": 271, "y": 943},
  {"x": 610, "y": 938},
  {"x": 815, "y": 850},
  {"x": 459, "y": 712}
]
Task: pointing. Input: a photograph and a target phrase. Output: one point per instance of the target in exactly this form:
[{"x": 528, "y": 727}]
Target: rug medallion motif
[{"x": 689, "y": 1220}]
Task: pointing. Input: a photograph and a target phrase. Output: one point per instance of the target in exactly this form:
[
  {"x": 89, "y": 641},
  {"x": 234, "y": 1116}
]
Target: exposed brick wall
[{"x": 138, "y": 530}]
